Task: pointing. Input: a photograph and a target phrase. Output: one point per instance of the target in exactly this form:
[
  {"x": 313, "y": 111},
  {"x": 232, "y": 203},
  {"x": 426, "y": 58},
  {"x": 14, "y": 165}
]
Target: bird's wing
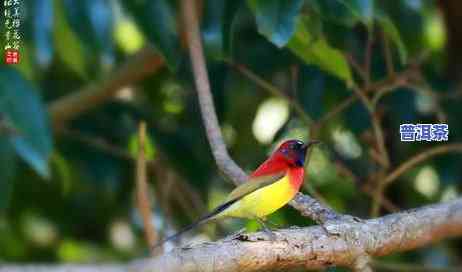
[{"x": 254, "y": 184}]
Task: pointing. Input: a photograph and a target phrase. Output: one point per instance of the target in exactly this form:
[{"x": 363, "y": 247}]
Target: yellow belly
[{"x": 264, "y": 201}]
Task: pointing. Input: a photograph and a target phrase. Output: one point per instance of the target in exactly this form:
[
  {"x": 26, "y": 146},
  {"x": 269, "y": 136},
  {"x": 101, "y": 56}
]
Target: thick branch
[
  {"x": 308, "y": 248},
  {"x": 313, "y": 248},
  {"x": 313, "y": 209}
]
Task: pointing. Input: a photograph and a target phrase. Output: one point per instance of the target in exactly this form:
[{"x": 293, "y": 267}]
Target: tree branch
[
  {"x": 313, "y": 248},
  {"x": 143, "y": 63},
  {"x": 447, "y": 148},
  {"x": 368, "y": 56},
  {"x": 295, "y": 248},
  {"x": 142, "y": 194},
  {"x": 388, "y": 56}
]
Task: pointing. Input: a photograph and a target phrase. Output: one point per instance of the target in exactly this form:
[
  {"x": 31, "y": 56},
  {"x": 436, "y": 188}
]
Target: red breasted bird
[{"x": 269, "y": 187}]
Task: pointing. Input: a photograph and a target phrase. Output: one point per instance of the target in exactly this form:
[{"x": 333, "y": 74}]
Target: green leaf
[
  {"x": 133, "y": 147},
  {"x": 41, "y": 24},
  {"x": 7, "y": 168},
  {"x": 26, "y": 66},
  {"x": 276, "y": 19},
  {"x": 92, "y": 21},
  {"x": 62, "y": 170},
  {"x": 157, "y": 19},
  {"x": 312, "y": 90},
  {"x": 68, "y": 46},
  {"x": 216, "y": 27},
  {"x": 212, "y": 29},
  {"x": 23, "y": 109},
  {"x": 335, "y": 11},
  {"x": 347, "y": 12},
  {"x": 392, "y": 32},
  {"x": 317, "y": 51},
  {"x": 363, "y": 9}
]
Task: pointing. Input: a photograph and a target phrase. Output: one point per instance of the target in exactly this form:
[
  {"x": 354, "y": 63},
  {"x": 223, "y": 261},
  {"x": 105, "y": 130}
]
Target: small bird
[{"x": 270, "y": 187}]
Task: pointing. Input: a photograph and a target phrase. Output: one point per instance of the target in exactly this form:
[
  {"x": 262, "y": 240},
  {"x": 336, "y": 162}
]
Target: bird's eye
[{"x": 285, "y": 151}]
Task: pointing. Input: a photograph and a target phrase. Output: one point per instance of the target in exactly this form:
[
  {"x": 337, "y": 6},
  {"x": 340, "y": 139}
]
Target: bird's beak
[{"x": 310, "y": 143}]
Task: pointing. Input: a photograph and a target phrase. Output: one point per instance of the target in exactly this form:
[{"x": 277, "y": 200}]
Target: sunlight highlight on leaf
[
  {"x": 276, "y": 19},
  {"x": 122, "y": 236},
  {"x": 346, "y": 143},
  {"x": 128, "y": 36},
  {"x": 435, "y": 33},
  {"x": 68, "y": 46},
  {"x": 427, "y": 181},
  {"x": 271, "y": 115}
]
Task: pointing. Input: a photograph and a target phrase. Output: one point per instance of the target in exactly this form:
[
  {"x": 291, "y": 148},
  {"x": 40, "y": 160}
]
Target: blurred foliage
[{"x": 68, "y": 194}]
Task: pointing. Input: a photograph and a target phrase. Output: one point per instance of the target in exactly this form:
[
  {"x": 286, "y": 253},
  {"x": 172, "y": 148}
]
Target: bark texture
[{"x": 339, "y": 242}]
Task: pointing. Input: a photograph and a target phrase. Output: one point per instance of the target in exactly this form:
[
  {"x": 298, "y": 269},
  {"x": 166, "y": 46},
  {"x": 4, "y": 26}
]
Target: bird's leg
[
  {"x": 266, "y": 230},
  {"x": 235, "y": 235},
  {"x": 269, "y": 222},
  {"x": 272, "y": 224}
]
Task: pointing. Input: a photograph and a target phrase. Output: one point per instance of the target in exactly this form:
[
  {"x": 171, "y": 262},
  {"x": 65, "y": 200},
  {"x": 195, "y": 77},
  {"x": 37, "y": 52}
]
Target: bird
[{"x": 271, "y": 186}]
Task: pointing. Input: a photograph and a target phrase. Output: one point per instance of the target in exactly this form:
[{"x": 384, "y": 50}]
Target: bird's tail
[{"x": 206, "y": 218}]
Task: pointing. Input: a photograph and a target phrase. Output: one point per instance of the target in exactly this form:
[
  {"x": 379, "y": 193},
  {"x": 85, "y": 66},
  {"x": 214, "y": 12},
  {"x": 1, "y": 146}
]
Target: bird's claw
[{"x": 235, "y": 235}]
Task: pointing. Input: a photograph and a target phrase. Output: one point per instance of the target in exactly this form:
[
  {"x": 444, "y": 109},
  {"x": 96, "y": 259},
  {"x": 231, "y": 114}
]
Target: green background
[{"x": 67, "y": 189}]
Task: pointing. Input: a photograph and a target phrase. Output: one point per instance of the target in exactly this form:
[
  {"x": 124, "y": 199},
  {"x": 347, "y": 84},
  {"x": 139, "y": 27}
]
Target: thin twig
[
  {"x": 142, "y": 191},
  {"x": 399, "y": 79},
  {"x": 383, "y": 158},
  {"x": 97, "y": 143},
  {"x": 368, "y": 56},
  {"x": 380, "y": 139},
  {"x": 294, "y": 76},
  {"x": 337, "y": 110},
  {"x": 384, "y": 91},
  {"x": 267, "y": 86},
  {"x": 359, "y": 70},
  {"x": 345, "y": 171},
  {"x": 388, "y": 56},
  {"x": 427, "y": 154},
  {"x": 388, "y": 83},
  {"x": 378, "y": 194}
]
